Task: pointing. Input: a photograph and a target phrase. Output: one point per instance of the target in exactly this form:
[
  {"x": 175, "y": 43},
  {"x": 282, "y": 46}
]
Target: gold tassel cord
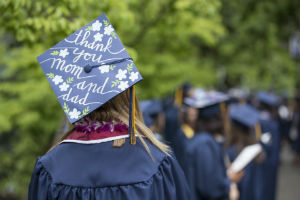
[
  {"x": 178, "y": 97},
  {"x": 257, "y": 129},
  {"x": 224, "y": 116}
]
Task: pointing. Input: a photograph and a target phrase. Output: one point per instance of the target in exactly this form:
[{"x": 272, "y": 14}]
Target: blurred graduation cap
[
  {"x": 209, "y": 103},
  {"x": 88, "y": 68},
  {"x": 181, "y": 93},
  {"x": 247, "y": 117},
  {"x": 150, "y": 110},
  {"x": 268, "y": 98},
  {"x": 237, "y": 95}
]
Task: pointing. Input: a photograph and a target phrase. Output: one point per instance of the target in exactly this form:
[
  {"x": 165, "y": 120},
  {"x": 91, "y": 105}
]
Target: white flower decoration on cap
[
  {"x": 104, "y": 68},
  {"x": 74, "y": 114},
  {"x": 98, "y": 37},
  {"x": 63, "y": 53},
  {"x": 123, "y": 85},
  {"x": 134, "y": 76},
  {"x": 64, "y": 87},
  {"x": 57, "y": 79},
  {"x": 108, "y": 30},
  {"x": 96, "y": 25},
  {"x": 121, "y": 74}
]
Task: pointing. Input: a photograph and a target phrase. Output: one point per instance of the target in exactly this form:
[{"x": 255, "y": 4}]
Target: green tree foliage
[
  {"x": 170, "y": 40},
  {"x": 254, "y": 52}
]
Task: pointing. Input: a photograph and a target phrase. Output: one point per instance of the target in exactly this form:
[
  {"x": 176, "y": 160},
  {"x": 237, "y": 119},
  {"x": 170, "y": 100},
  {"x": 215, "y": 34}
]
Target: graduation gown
[
  {"x": 205, "y": 168},
  {"x": 93, "y": 169},
  {"x": 174, "y": 135},
  {"x": 251, "y": 185},
  {"x": 271, "y": 163}
]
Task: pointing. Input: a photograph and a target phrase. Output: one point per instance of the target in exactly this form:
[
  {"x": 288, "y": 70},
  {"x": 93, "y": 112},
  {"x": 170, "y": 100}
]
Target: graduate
[
  {"x": 108, "y": 152},
  {"x": 154, "y": 117},
  {"x": 268, "y": 106},
  {"x": 204, "y": 164},
  {"x": 172, "y": 110},
  {"x": 246, "y": 130}
]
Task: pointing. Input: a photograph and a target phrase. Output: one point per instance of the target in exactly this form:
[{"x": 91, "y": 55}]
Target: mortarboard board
[
  {"x": 207, "y": 101},
  {"x": 268, "y": 98},
  {"x": 246, "y": 116},
  {"x": 88, "y": 68},
  {"x": 150, "y": 109}
]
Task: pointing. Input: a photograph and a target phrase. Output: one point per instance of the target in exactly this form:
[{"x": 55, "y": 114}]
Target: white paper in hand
[{"x": 245, "y": 157}]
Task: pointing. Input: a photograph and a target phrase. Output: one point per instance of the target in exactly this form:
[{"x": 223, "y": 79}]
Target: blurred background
[{"x": 217, "y": 44}]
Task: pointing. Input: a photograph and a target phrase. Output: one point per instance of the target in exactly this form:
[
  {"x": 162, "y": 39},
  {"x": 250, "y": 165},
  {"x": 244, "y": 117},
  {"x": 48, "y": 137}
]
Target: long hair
[{"x": 118, "y": 109}]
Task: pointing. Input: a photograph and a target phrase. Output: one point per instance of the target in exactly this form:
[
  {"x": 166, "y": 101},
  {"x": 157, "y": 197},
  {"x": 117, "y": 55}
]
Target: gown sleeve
[
  {"x": 40, "y": 182},
  {"x": 212, "y": 182}
]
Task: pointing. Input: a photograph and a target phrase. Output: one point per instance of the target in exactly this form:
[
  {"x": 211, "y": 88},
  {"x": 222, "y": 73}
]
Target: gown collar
[{"x": 97, "y": 132}]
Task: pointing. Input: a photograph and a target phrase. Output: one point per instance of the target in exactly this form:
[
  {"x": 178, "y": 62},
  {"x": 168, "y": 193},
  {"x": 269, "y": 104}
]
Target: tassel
[
  {"x": 224, "y": 116},
  {"x": 257, "y": 129},
  {"x": 132, "y": 116},
  {"x": 242, "y": 101},
  {"x": 178, "y": 97}
]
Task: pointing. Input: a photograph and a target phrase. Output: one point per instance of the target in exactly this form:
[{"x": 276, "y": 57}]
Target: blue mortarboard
[
  {"x": 268, "y": 98},
  {"x": 150, "y": 109},
  {"x": 207, "y": 101},
  {"x": 244, "y": 114},
  {"x": 247, "y": 116},
  {"x": 88, "y": 68}
]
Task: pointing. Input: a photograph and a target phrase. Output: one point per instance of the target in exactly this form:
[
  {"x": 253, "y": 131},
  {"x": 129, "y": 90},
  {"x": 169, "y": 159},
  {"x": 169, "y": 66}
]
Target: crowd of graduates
[{"x": 207, "y": 130}]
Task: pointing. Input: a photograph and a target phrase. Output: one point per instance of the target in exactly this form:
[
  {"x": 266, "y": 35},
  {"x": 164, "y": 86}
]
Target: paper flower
[
  {"x": 104, "y": 68},
  {"x": 64, "y": 87},
  {"x": 57, "y": 79},
  {"x": 134, "y": 76},
  {"x": 108, "y": 30},
  {"x": 123, "y": 85},
  {"x": 121, "y": 74},
  {"x": 63, "y": 53},
  {"x": 74, "y": 114},
  {"x": 96, "y": 25},
  {"x": 98, "y": 37}
]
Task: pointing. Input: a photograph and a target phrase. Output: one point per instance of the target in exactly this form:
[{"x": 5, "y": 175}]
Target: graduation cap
[
  {"x": 247, "y": 116},
  {"x": 150, "y": 109},
  {"x": 268, "y": 98},
  {"x": 209, "y": 103},
  {"x": 238, "y": 95},
  {"x": 88, "y": 68}
]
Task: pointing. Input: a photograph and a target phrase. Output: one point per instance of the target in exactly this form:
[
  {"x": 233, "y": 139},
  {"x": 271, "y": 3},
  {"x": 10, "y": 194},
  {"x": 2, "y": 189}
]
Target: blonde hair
[{"x": 118, "y": 109}]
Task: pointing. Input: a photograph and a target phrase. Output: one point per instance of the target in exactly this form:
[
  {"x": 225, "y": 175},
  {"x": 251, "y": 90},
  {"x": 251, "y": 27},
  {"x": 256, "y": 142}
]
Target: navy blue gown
[
  {"x": 100, "y": 171},
  {"x": 205, "y": 168},
  {"x": 271, "y": 163}
]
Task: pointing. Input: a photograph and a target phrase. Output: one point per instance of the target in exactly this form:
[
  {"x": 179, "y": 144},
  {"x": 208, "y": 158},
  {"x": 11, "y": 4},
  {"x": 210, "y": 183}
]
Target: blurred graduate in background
[
  {"x": 172, "y": 106},
  {"x": 204, "y": 166},
  {"x": 245, "y": 131},
  {"x": 268, "y": 104}
]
